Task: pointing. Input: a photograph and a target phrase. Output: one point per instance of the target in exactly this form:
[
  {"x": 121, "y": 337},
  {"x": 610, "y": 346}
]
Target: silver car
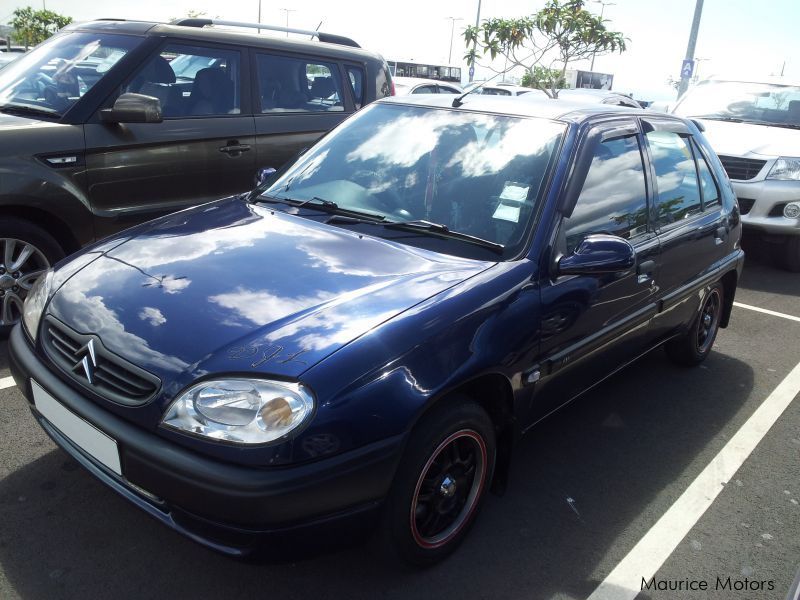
[{"x": 755, "y": 128}]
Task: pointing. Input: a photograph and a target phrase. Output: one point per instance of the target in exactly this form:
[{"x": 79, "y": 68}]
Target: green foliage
[
  {"x": 560, "y": 33},
  {"x": 543, "y": 77},
  {"x": 32, "y": 27}
]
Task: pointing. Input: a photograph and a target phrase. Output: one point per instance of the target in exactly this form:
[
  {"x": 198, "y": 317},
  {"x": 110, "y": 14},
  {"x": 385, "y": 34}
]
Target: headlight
[
  {"x": 241, "y": 411},
  {"x": 792, "y": 210},
  {"x": 35, "y": 302},
  {"x": 785, "y": 168}
]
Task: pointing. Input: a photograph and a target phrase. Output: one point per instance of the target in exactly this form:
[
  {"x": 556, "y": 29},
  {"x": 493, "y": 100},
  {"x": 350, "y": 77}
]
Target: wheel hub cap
[
  {"x": 21, "y": 264},
  {"x": 447, "y": 487}
]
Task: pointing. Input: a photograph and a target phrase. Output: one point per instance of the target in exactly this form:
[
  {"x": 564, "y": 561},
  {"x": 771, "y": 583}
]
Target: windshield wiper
[
  {"x": 24, "y": 109},
  {"x": 749, "y": 121},
  {"x": 422, "y": 226},
  {"x": 329, "y": 206}
]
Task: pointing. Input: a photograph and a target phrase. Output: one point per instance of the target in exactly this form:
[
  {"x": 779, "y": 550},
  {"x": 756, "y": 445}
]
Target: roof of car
[
  {"x": 511, "y": 105},
  {"x": 224, "y": 34}
]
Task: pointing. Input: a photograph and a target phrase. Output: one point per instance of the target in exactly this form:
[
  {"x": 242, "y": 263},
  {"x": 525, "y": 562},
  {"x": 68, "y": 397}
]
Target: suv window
[
  {"x": 614, "y": 196},
  {"x": 708, "y": 185},
  {"x": 191, "y": 81},
  {"x": 676, "y": 177},
  {"x": 288, "y": 84},
  {"x": 356, "y": 77}
]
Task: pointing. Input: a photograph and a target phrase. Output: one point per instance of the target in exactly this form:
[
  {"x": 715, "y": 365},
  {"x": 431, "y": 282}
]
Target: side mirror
[
  {"x": 263, "y": 175},
  {"x": 133, "y": 108},
  {"x": 598, "y": 254}
]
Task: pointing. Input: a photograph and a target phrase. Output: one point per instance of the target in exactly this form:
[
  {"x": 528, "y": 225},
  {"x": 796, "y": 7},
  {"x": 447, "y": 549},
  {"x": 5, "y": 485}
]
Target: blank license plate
[{"x": 84, "y": 435}]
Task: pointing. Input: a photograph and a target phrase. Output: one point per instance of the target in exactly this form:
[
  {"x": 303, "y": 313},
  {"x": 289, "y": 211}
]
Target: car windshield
[
  {"x": 474, "y": 173},
  {"x": 763, "y": 103},
  {"x": 54, "y": 76}
]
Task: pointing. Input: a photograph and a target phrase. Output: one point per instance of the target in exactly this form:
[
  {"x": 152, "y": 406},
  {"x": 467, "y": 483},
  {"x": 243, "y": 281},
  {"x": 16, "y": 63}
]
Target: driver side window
[
  {"x": 191, "y": 81},
  {"x": 614, "y": 196}
]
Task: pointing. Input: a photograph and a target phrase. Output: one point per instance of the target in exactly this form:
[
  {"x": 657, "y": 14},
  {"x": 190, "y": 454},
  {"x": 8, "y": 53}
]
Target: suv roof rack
[{"x": 322, "y": 37}]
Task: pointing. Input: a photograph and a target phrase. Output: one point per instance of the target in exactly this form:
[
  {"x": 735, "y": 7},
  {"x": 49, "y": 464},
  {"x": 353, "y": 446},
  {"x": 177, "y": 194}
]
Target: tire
[
  {"x": 440, "y": 482},
  {"x": 791, "y": 254},
  {"x": 695, "y": 345},
  {"x": 25, "y": 252}
]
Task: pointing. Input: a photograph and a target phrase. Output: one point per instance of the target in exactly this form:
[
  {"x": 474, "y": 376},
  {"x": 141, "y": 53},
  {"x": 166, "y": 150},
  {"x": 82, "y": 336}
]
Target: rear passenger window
[
  {"x": 297, "y": 85},
  {"x": 676, "y": 177},
  {"x": 191, "y": 81},
  {"x": 425, "y": 89},
  {"x": 356, "y": 77},
  {"x": 708, "y": 185},
  {"x": 614, "y": 196}
]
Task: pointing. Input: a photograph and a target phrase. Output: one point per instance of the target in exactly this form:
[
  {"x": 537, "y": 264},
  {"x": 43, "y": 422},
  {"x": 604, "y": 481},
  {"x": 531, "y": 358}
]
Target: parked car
[
  {"x": 755, "y": 128},
  {"x": 404, "y": 86},
  {"x": 598, "y": 97},
  {"x": 503, "y": 89},
  {"x": 111, "y": 123},
  {"x": 358, "y": 343}
]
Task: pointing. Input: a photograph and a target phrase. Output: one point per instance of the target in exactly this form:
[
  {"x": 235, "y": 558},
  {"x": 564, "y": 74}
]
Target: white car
[
  {"x": 403, "y": 86},
  {"x": 754, "y": 126}
]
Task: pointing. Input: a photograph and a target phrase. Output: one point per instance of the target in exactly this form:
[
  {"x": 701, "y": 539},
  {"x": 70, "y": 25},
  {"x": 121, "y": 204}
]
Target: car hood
[
  {"x": 235, "y": 287},
  {"x": 33, "y": 136},
  {"x": 743, "y": 139}
]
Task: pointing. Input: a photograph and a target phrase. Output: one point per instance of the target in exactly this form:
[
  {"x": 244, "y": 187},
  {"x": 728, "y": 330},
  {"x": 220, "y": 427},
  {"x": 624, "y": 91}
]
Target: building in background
[
  {"x": 425, "y": 70},
  {"x": 588, "y": 80}
]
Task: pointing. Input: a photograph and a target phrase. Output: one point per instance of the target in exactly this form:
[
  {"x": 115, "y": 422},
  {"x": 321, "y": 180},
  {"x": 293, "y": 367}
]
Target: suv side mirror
[
  {"x": 599, "y": 254},
  {"x": 133, "y": 108}
]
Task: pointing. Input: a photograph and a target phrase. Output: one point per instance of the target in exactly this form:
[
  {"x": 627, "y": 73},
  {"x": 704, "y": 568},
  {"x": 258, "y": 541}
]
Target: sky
[{"x": 741, "y": 37}]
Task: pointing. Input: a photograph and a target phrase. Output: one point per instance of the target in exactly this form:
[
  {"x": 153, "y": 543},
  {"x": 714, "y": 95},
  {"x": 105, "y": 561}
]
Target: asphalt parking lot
[{"x": 586, "y": 486}]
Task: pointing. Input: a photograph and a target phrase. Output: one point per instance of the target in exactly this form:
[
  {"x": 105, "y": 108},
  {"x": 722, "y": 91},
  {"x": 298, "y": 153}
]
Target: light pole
[
  {"x": 475, "y": 43},
  {"x": 602, "y": 9},
  {"x": 698, "y": 11},
  {"x": 287, "y": 11},
  {"x": 452, "y": 28}
]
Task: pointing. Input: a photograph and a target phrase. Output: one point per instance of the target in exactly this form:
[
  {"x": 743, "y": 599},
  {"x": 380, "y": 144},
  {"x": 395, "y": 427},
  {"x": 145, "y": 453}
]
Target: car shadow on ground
[{"x": 585, "y": 479}]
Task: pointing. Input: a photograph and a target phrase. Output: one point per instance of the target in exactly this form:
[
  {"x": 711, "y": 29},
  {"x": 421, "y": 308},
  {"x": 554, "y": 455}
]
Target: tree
[
  {"x": 560, "y": 33},
  {"x": 32, "y": 27}
]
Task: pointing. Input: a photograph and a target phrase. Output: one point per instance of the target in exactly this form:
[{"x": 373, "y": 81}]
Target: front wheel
[
  {"x": 441, "y": 481},
  {"x": 26, "y": 252},
  {"x": 694, "y": 346}
]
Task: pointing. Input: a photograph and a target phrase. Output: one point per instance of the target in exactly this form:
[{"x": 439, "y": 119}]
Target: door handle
[
  {"x": 234, "y": 148},
  {"x": 721, "y": 235},
  {"x": 644, "y": 271}
]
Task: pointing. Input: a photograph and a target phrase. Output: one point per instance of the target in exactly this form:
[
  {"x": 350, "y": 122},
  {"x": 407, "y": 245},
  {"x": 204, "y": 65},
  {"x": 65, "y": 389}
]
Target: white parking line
[
  {"x": 7, "y": 382},
  {"x": 766, "y": 311},
  {"x": 647, "y": 556}
]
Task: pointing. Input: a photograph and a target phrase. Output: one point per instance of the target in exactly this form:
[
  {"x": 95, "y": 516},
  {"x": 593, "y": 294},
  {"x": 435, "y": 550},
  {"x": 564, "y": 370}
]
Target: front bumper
[
  {"x": 768, "y": 197},
  {"x": 230, "y": 508}
]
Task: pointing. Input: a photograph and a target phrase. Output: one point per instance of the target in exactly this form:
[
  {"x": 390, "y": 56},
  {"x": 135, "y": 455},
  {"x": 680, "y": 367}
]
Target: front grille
[
  {"x": 745, "y": 205},
  {"x": 84, "y": 358},
  {"x": 742, "y": 168}
]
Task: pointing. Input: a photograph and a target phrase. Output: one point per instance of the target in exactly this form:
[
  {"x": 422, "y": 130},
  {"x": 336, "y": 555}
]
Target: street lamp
[
  {"x": 452, "y": 28},
  {"x": 602, "y": 9},
  {"x": 287, "y": 11}
]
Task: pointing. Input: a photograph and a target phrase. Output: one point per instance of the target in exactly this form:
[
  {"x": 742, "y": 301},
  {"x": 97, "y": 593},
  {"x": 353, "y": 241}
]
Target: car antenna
[{"x": 459, "y": 101}]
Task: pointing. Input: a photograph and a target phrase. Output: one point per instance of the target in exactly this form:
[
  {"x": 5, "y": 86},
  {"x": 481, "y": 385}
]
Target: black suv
[{"x": 111, "y": 123}]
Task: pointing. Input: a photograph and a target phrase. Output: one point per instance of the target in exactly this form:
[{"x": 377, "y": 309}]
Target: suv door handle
[
  {"x": 644, "y": 270},
  {"x": 721, "y": 235},
  {"x": 234, "y": 148}
]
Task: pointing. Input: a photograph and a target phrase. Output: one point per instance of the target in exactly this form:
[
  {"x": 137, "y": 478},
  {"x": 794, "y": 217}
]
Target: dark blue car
[{"x": 362, "y": 340}]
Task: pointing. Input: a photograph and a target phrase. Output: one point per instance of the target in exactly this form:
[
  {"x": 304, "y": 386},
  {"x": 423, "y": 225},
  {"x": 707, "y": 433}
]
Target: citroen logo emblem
[{"x": 89, "y": 361}]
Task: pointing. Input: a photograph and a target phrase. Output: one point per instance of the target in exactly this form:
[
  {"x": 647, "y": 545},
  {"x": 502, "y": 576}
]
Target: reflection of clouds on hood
[
  {"x": 262, "y": 307},
  {"x": 152, "y": 315},
  {"x": 90, "y": 314}
]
